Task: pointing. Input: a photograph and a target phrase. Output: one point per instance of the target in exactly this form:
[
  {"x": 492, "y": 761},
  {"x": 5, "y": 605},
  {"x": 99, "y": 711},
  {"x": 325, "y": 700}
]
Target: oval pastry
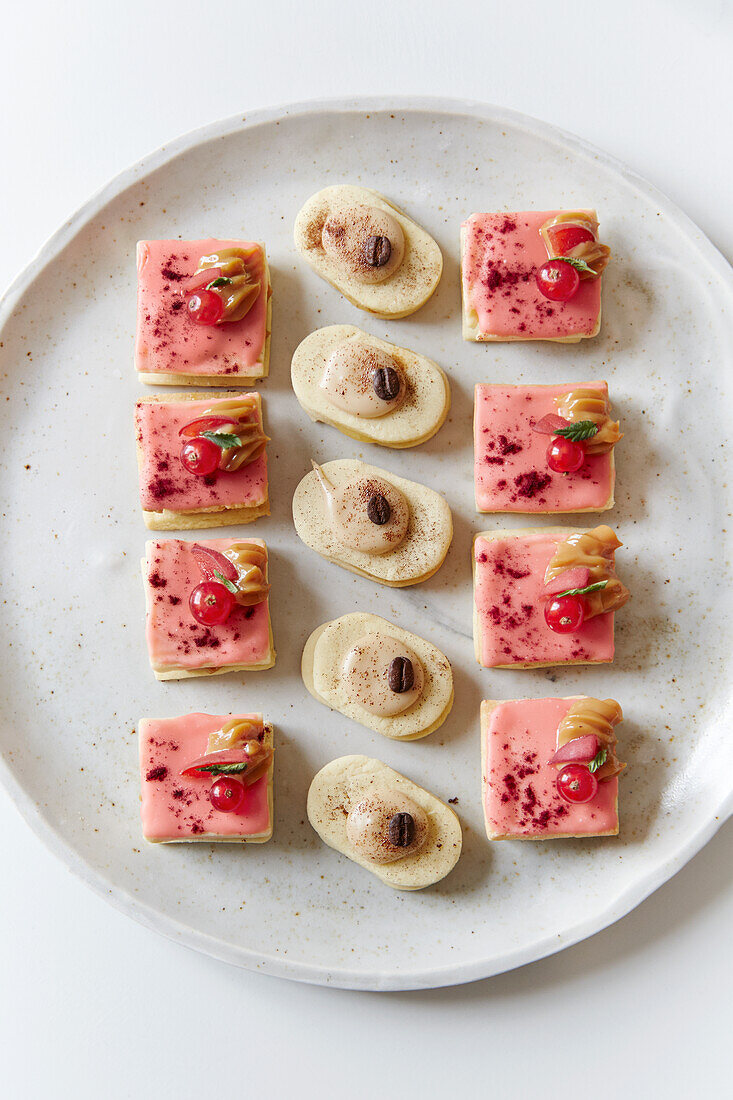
[
  {"x": 384, "y": 822},
  {"x": 369, "y": 389},
  {"x": 417, "y": 551},
  {"x": 354, "y": 663},
  {"x": 379, "y": 259}
]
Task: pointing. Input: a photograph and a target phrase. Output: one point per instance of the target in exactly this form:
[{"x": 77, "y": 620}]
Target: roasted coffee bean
[
  {"x": 377, "y": 251},
  {"x": 378, "y": 509},
  {"x": 400, "y": 675},
  {"x": 386, "y": 382},
  {"x": 401, "y": 830}
]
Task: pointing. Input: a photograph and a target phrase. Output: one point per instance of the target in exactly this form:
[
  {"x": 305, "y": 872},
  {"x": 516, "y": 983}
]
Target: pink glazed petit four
[
  {"x": 549, "y": 768},
  {"x": 207, "y": 607},
  {"x": 206, "y": 777},
  {"x": 203, "y": 312},
  {"x": 545, "y": 596},
  {"x": 202, "y": 460},
  {"x": 501, "y": 256},
  {"x": 544, "y": 448}
]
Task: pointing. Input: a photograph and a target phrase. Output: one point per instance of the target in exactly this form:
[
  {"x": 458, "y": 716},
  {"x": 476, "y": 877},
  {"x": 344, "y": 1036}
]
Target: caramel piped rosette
[
  {"x": 237, "y": 749},
  {"x": 245, "y": 732},
  {"x": 228, "y": 274},
  {"x": 589, "y": 554},
  {"x": 591, "y": 405},
  {"x": 235, "y": 427},
  {"x": 594, "y": 718},
  {"x": 574, "y": 234},
  {"x": 237, "y": 576},
  {"x": 246, "y": 426},
  {"x": 250, "y": 561}
]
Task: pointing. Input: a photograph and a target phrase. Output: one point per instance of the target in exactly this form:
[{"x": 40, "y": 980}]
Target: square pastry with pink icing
[
  {"x": 549, "y": 768},
  {"x": 207, "y": 607},
  {"x": 202, "y": 460},
  {"x": 203, "y": 312},
  {"x": 206, "y": 777},
  {"x": 544, "y": 448},
  {"x": 532, "y": 275},
  {"x": 545, "y": 596}
]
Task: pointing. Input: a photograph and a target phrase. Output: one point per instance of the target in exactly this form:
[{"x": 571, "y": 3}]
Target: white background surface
[{"x": 91, "y": 1004}]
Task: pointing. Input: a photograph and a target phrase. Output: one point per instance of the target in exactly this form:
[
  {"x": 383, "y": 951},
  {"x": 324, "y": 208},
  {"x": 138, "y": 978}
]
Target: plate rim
[{"x": 178, "y": 931}]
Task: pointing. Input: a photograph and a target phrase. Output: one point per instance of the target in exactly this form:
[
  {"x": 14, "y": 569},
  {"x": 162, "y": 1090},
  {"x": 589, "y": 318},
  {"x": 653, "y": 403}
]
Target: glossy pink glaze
[
  {"x": 167, "y": 340},
  {"x": 520, "y": 796},
  {"x": 175, "y": 639},
  {"x": 176, "y": 807},
  {"x": 164, "y": 480},
  {"x": 508, "y": 590},
  {"x": 501, "y": 255},
  {"x": 510, "y": 459}
]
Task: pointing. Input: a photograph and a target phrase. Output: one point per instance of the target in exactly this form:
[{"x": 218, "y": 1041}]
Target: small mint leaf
[
  {"x": 223, "y": 440},
  {"x": 224, "y": 769},
  {"x": 221, "y": 281},
  {"x": 583, "y": 591},
  {"x": 579, "y": 265},
  {"x": 227, "y": 584},
  {"x": 598, "y": 760},
  {"x": 578, "y": 430}
]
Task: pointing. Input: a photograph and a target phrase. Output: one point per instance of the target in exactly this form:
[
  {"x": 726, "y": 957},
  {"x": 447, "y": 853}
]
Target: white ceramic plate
[{"x": 76, "y": 677}]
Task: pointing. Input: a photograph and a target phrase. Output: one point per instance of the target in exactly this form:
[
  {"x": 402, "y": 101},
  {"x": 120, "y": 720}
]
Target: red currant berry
[
  {"x": 558, "y": 280},
  {"x": 211, "y": 603},
  {"x": 200, "y": 456},
  {"x": 565, "y": 614},
  {"x": 565, "y": 456},
  {"x": 227, "y": 794},
  {"x": 206, "y": 308},
  {"x": 576, "y": 783}
]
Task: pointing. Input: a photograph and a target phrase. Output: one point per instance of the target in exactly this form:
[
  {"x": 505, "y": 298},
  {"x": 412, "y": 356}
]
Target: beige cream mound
[
  {"x": 418, "y": 417},
  {"x": 344, "y": 783},
  {"x": 407, "y": 286},
  {"x": 322, "y": 663},
  {"x": 423, "y": 550}
]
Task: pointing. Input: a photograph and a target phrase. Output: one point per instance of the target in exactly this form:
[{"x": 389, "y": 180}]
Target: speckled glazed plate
[{"x": 75, "y": 676}]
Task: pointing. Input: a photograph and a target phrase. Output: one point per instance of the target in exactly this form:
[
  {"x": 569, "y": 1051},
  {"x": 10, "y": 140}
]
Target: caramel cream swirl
[
  {"x": 241, "y": 290},
  {"x": 245, "y": 734},
  {"x": 386, "y": 826},
  {"x": 595, "y": 254},
  {"x": 250, "y": 560},
  {"x": 589, "y": 404},
  {"x": 593, "y": 550},
  {"x": 598, "y": 717},
  {"x": 247, "y": 427}
]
